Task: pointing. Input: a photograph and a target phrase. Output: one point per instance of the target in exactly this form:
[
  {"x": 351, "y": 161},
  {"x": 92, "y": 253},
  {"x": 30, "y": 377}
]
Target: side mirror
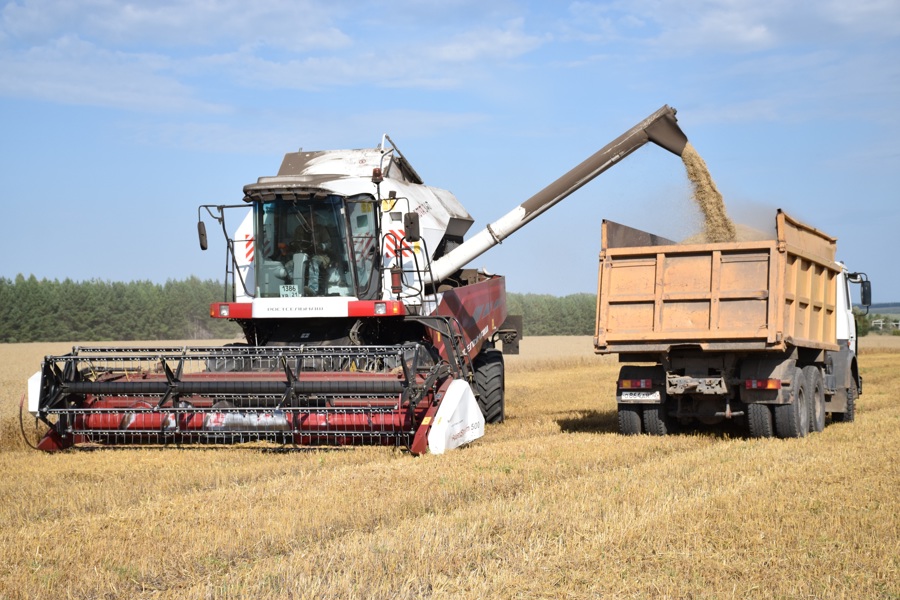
[
  {"x": 201, "y": 232},
  {"x": 411, "y": 227},
  {"x": 865, "y": 293}
]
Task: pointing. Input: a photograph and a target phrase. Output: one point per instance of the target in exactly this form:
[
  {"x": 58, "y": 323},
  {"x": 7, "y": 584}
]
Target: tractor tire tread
[
  {"x": 656, "y": 421},
  {"x": 815, "y": 383},
  {"x": 792, "y": 420},
  {"x": 759, "y": 420},
  {"x": 629, "y": 417},
  {"x": 489, "y": 384}
]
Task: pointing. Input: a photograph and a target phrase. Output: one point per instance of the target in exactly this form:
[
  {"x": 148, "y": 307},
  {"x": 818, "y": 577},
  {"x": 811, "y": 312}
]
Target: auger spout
[{"x": 661, "y": 128}]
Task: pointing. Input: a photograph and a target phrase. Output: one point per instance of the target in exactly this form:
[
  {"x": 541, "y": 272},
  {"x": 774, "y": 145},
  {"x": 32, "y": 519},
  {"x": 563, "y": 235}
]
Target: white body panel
[
  {"x": 846, "y": 323},
  {"x": 458, "y": 419},
  {"x": 34, "y": 393},
  {"x": 269, "y": 308},
  {"x": 243, "y": 256},
  {"x": 479, "y": 243}
]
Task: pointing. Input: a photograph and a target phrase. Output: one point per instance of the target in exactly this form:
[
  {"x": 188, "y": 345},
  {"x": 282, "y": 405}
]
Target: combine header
[{"x": 362, "y": 324}]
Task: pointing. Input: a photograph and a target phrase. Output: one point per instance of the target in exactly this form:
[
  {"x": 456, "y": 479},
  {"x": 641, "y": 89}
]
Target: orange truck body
[{"x": 655, "y": 294}]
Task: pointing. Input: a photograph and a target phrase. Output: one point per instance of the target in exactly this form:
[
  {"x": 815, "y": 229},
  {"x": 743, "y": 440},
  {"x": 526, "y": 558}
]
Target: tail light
[
  {"x": 635, "y": 384},
  {"x": 762, "y": 384}
]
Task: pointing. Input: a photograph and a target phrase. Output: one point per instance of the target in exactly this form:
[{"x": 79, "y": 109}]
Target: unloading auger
[{"x": 362, "y": 325}]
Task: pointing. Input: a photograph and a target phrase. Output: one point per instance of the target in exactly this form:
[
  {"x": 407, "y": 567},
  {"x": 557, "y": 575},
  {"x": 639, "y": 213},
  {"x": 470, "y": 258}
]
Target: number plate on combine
[
  {"x": 290, "y": 291},
  {"x": 640, "y": 395}
]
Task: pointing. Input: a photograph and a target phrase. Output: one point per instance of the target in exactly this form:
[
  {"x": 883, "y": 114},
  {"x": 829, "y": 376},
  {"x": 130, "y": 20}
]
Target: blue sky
[{"x": 118, "y": 119}]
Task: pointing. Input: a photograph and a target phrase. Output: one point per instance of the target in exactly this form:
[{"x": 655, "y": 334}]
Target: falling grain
[{"x": 718, "y": 227}]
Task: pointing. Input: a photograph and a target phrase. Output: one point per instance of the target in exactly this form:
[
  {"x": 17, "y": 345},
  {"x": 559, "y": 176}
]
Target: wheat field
[{"x": 552, "y": 503}]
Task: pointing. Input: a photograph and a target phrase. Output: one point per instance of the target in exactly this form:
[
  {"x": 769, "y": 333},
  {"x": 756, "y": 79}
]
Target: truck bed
[{"x": 655, "y": 294}]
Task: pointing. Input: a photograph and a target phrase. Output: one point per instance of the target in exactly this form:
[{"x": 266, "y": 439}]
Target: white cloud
[
  {"x": 166, "y": 55},
  {"x": 410, "y": 64},
  {"x": 278, "y": 133},
  {"x": 72, "y": 71},
  {"x": 691, "y": 26},
  {"x": 880, "y": 17},
  {"x": 487, "y": 43},
  {"x": 287, "y": 24},
  {"x": 155, "y": 55}
]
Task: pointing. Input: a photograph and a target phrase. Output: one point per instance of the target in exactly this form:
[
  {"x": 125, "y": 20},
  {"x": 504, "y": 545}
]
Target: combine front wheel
[{"x": 489, "y": 384}]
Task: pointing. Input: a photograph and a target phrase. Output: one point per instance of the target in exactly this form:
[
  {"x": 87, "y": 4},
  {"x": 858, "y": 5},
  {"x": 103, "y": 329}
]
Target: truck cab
[{"x": 846, "y": 321}]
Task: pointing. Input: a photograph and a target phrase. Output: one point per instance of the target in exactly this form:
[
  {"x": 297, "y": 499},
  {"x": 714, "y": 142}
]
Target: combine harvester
[{"x": 362, "y": 325}]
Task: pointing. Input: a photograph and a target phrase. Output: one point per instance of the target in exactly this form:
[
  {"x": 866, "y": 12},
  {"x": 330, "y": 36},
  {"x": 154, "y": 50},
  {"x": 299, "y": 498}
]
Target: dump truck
[
  {"x": 362, "y": 323},
  {"x": 758, "y": 331}
]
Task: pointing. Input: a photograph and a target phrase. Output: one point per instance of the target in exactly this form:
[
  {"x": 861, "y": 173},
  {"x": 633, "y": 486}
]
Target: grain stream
[{"x": 718, "y": 227}]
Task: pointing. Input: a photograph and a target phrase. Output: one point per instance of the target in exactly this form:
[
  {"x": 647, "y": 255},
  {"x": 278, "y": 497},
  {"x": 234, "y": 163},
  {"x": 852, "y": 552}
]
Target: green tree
[
  {"x": 543, "y": 314},
  {"x": 95, "y": 310},
  {"x": 863, "y": 322}
]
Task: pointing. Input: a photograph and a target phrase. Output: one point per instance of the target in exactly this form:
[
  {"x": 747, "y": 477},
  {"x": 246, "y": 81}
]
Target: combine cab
[{"x": 362, "y": 325}]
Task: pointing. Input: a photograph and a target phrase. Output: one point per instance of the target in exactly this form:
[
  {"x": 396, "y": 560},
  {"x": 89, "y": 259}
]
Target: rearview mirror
[
  {"x": 865, "y": 293},
  {"x": 201, "y": 232}
]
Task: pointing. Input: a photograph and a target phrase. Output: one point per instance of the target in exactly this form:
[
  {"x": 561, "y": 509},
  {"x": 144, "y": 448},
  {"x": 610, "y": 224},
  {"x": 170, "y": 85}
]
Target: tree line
[
  {"x": 543, "y": 314},
  {"x": 33, "y": 310},
  {"x": 877, "y": 323}
]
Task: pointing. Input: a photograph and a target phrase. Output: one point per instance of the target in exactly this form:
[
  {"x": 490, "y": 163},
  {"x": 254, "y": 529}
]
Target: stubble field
[{"x": 552, "y": 503}]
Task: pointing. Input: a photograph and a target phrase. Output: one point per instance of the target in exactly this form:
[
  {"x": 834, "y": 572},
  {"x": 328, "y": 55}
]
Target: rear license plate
[{"x": 641, "y": 395}]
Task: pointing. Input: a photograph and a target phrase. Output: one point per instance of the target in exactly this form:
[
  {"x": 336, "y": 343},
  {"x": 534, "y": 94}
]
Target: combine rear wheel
[
  {"x": 815, "y": 384},
  {"x": 489, "y": 384},
  {"x": 792, "y": 420},
  {"x": 759, "y": 418}
]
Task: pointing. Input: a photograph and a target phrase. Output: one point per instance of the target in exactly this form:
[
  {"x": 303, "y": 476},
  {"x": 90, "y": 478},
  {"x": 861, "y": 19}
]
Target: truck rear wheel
[
  {"x": 630, "y": 419},
  {"x": 849, "y": 415},
  {"x": 792, "y": 420},
  {"x": 759, "y": 418},
  {"x": 489, "y": 384},
  {"x": 815, "y": 384},
  {"x": 656, "y": 421}
]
